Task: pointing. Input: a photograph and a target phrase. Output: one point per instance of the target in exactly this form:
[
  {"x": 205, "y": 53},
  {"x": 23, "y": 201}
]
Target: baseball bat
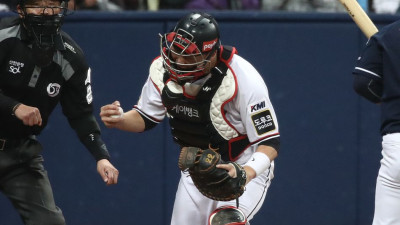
[{"x": 360, "y": 17}]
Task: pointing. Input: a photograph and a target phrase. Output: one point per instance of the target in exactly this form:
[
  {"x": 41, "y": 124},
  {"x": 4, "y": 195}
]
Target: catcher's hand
[{"x": 213, "y": 182}]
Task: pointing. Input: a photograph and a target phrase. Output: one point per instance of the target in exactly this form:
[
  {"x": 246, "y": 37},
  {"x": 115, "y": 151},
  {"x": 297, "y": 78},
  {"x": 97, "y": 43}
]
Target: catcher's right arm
[{"x": 212, "y": 182}]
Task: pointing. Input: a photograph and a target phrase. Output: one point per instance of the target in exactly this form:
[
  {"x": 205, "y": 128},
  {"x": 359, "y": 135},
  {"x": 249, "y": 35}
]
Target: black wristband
[{"x": 96, "y": 146}]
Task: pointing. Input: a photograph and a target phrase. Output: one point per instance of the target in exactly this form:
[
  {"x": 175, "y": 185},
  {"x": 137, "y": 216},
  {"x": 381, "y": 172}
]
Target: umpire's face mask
[{"x": 43, "y": 24}]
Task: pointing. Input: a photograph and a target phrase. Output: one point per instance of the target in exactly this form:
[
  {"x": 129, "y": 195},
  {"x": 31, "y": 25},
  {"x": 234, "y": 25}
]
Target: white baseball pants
[
  {"x": 387, "y": 197},
  {"x": 191, "y": 207}
]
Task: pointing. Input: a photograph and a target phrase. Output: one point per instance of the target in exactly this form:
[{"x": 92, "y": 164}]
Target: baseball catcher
[{"x": 220, "y": 115}]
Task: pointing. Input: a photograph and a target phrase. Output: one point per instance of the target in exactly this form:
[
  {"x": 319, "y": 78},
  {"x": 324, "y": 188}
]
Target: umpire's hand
[
  {"x": 107, "y": 171},
  {"x": 29, "y": 115}
]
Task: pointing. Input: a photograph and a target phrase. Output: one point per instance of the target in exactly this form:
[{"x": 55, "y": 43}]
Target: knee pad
[{"x": 227, "y": 215}]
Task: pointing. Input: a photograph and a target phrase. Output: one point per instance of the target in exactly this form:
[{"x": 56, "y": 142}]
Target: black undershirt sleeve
[
  {"x": 148, "y": 123},
  {"x": 273, "y": 142}
]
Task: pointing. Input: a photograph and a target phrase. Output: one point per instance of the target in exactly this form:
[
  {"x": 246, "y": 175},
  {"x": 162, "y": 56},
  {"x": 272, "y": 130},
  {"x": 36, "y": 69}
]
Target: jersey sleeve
[
  {"x": 77, "y": 105},
  {"x": 6, "y": 103},
  {"x": 369, "y": 63},
  {"x": 256, "y": 110},
  {"x": 77, "y": 98},
  {"x": 259, "y": 116},
  {"x": 150, "y": 105}
]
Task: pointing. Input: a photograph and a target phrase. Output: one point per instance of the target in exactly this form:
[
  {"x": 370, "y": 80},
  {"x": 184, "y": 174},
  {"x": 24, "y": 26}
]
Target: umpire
[{"x": 40, "y": 66}]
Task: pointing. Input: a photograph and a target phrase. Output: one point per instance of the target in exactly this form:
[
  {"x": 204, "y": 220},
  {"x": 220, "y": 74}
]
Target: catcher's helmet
[
  {"x": 227, "y": 215},
  {"x": 195, "y": 38}
]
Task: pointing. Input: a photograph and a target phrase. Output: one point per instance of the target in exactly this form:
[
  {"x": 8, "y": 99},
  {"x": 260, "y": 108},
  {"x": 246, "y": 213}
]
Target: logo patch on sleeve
[
  {"x": 257, "y": 106},
  {"x": 263, "y": 122}
]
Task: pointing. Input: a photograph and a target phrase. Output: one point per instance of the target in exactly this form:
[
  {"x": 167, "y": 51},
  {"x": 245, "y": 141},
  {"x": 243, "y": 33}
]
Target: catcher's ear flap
[{"x": 227, "y": 215}]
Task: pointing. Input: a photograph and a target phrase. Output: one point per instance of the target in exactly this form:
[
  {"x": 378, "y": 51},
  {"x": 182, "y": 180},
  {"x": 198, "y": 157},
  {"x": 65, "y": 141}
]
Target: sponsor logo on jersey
[
  {"x": 185, "y": 110},
  {"x": 53, "y": 89},
  {"x": 256, "y": 107},
  {"x": 263, "y": 122},
  {"x": 206, "y": 88},
  {"x": 15, "y": 67},
  {"x": 208, "y": 45},
  {"x": 68, "y": 46}
]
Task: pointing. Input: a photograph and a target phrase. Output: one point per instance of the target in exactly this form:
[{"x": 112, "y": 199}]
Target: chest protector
[{"x": 198, "y": 119}]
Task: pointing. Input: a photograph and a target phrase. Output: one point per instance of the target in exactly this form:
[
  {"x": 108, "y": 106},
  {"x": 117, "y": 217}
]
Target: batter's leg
[{"x": 387, "y": 197}]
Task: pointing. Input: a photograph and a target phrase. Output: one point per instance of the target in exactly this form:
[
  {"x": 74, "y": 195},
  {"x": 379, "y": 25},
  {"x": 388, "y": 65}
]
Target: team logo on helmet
[{"x": 209, "y": 45}]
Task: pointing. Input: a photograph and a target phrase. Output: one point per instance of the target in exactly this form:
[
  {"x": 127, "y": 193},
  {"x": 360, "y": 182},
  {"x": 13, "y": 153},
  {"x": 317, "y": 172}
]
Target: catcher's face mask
[{"x": 182, "y": 58}]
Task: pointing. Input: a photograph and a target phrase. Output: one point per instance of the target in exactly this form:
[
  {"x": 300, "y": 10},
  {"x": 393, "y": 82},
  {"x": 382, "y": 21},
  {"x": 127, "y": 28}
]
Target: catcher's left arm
[{"x": 260, "y": 161}]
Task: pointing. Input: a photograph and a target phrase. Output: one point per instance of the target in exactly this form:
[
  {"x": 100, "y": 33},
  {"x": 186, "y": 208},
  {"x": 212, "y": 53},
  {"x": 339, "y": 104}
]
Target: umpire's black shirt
[{"x": 65, "y": 80}]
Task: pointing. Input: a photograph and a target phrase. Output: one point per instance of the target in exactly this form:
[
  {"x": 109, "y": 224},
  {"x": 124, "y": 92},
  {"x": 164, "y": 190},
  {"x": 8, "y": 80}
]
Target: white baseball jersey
[{"x": 250, "y": 112}]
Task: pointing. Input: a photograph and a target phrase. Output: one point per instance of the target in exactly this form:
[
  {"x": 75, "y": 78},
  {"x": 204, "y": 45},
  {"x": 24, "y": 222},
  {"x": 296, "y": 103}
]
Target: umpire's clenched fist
[{"x": 29, "y": 115}]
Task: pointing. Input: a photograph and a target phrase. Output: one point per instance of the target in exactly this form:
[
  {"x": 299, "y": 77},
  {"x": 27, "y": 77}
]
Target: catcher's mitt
[{"x": 212, "y": 182}]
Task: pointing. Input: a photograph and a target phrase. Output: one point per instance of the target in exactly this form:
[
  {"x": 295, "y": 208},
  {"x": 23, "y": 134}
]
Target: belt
[{"x": 6, "y": 143}]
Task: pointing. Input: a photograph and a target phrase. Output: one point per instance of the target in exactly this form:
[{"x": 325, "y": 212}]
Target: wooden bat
[{"x": 360, "y": 17}]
